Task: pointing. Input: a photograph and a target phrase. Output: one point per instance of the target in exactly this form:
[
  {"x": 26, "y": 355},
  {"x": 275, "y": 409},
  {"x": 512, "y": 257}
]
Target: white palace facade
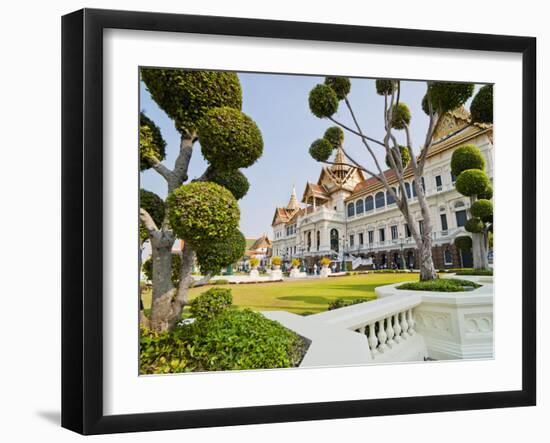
[{"x": 350, "y": 218}]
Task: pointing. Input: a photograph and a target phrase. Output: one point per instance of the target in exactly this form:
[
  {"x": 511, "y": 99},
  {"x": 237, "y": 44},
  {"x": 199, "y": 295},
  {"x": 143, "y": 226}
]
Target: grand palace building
[{"x": 349, "y": 217}]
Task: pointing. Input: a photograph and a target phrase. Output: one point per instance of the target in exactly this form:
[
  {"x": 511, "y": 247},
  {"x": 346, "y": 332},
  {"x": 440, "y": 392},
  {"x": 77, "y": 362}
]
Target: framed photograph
[{"x": 269, "y": 221}]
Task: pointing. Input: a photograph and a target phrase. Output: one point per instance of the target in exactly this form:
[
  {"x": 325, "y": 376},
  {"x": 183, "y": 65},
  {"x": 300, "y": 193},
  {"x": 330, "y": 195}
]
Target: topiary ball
[
  {"x": 202, "y": 212},
  {"x": 320, "y": 149},
  {"x": 187, "y": 95},
  {"x": 235, "y": 181},
  {"x": 215, "y": 255},
  {"x": 405, "y": 156},
  {"x": 335, "y": 136},
  {"x": 229, "y": 139},
  {"x": 481, "y": 108},
  {"x": 154, "y": 205},
  {"x": 472, "y": 182},
  {"x": 401, "y": 116},
  {"x": 466, "y": 157},
  {"x": 425, "y": 106},
  {"x": 323, "y": 101},
  {"x": 446, "y": 96},
  {"x": 482, "y": 209},
  {"x": 463, "y": 243},
  {"x": 151, "y": 143},
  {"x": 487, "y": 194},
  {"x": 340, "y": 85},
  {"x": 474, "y": 225},
  {"x": 385, "y": 87}
]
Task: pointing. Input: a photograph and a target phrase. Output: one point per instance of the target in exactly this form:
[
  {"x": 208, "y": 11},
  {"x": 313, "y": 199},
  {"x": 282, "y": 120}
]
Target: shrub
[
  {"x": 340, "y": 85},
  {"x": 210, "y": 303},
  {"x": 229, "y": 139},
  {"x": 463, "y": 242},
  {"x": 487, "y": 194},
  {"x": 401, "y": 116},
  {"x": 325, "y": 261},
  {"x": 323, "y": 101},
  {"x": 186, "y": 95},
  {"x": 405, "y": 156},
  {"x": 320, "y": 150},
  {"x": 385, "y": 87},
  {"x": 440, "y": 285},
  {"x": 214, "y": 255},
  {"x": 242, "y": 339},
  {"x": 151, "y": 143},
  {"x": 342, "y": 303},
  {"x": 482, "y": 209},
  {"x": 203, "y": 212},
  {"x": 474, "y": 225},
  {"x": 472, "y": 182},
  {"x": 474, "y": 272},
  {"x": 276, "y": 260},
  {"x": 165, "y": 352},
  {"x": 219, "y": 281},
  {"x": 232, "y": 180},
  {"x": 481, "y": 108},
  {"x": 254, "y": 262},
  {"x": 335, "y": 136},
  {"x": 446, "y": 96},
  {"x": 466, "y": 157}
]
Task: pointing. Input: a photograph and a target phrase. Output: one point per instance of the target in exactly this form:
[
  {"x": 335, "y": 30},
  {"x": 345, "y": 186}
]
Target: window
[
  {"x": 421, "y": 227},
  {"x": 382, "y": 234},
  {"x": 448, "y": 257},
  {"x": 361, "y": 242},
  {"x": 379, "y": 200},
  {"x": 414, "y": 188},
  {"x": 309, "y": 241},
  {"x": 318, "y": 239},
  {"x": 444, "y": 225},
  {"x": 461, "y": 218},
  {"x": 359, "y": 207},
  {"x": 369, "y": 203},
  {"x": 453, "y": 178},
  {"x": 371, "y": 236},
  {"x": 389, "y": 197},
  {"x": 408, "y": 189},
  {"x": 351, "y": 209},
  {"x": 351, "y": 240},
  {"x": 438, "y": 183},
  {"x": 423, "y": 184},
  {"x": 407, "y": 230},
  {"x": 394, "y": 232}
]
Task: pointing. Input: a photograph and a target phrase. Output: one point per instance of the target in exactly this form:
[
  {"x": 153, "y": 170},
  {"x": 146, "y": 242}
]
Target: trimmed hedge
[
  {"x": 210, "y": 303},
  {"x": 481, "y": 108},
  {"x": 405, "y": 156},
  {"x": 232, "y": 180},
  {"x": 401, "y": 116},
  {"x": 342, "y": 303},
  {"x": 151, "y": 143},
  {"x": 340, "y": 85},
  {"x": 385, "y": 87},
  {"x": 440, "y": 285},
  {"x": 335, "y": 136},
  {"x": 321, "y": 149},
  {"x": 466, "y": 157},
  {"x": 214, "y": 255},
  {"x": 472, "y": 182},
  {"x": 446, "y": 96}
]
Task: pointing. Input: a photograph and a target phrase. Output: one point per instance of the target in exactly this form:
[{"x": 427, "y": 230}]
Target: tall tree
[
  {"x": 441, "y": 97},
  {"x": 205, "y": 107}
]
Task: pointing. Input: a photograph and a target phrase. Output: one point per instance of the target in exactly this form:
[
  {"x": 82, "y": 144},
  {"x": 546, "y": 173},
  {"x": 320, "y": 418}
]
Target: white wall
[{"x": 30, "y": 102}]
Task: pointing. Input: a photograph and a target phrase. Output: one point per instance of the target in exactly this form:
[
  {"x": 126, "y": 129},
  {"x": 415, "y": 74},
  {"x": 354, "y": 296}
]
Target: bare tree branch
[
  {"x": 347, "y": 128},
  {"x": 148, "y": 222}
]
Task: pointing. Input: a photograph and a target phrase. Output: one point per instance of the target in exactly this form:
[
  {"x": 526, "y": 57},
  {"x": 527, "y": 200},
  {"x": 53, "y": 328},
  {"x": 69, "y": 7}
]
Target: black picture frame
[{"x": 82, "y": 280}]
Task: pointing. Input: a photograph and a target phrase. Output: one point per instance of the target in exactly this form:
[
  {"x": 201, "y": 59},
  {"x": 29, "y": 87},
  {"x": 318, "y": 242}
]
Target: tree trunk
[
  {"x": 479, "y": 251},
  {"x": 163, "y": 289},
  {"x": 427, "y": 268}
]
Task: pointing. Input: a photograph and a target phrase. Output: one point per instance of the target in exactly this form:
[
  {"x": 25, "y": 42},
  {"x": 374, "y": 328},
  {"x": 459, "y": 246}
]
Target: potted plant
[
  {"x": 325, "y": 271},
  {"x": 295, "y": 263},
  {"x": 254, "y": 262},
  {"x": 276, "y": 262}
]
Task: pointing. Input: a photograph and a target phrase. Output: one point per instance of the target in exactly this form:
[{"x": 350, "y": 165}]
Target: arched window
[
  {"x": 309, "y": 241},
  {"x": 359, "y": 207},
  {"x": 389, "y": 197},
  {"x": 408, "y": 189},
  {"x": 448, "y": 257},
  {"x": 334, "y": 240},
  {"x": 380, "y": 200},
  {"x": 318, "y": 239},
  {"x": 351, "y": 209},
  {"x": 369, "y": 203},
  {"x": 414, "y": 188}
]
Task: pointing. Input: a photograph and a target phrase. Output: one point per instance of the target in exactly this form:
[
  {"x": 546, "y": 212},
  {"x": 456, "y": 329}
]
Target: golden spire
[
  {"x": 339, "y": 168},
  {"x": 293, "y": 203}
]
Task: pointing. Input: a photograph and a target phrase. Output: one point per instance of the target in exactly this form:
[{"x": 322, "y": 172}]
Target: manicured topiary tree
[
  {"x": 205, "y": 107},
  {"x": 463, "y": 243},
  {"x": 468, "y": 165},
  {"x": 440, "y": 98}
]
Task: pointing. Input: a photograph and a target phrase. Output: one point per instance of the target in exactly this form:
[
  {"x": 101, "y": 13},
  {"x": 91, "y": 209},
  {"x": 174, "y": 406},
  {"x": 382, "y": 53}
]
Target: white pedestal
[
  {"x": 276, "y": 274},
  {"x": 254, "y": 274},
  {"x": 325, "y": 272}
]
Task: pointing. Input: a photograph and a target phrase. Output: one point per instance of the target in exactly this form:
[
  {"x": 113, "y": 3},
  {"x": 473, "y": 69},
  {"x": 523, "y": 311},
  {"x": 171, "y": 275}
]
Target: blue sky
[{"x": 279, "y": 105}]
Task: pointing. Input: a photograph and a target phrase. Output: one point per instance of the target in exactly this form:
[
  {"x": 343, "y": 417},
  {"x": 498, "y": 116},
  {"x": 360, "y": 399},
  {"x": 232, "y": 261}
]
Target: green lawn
[{"x": 305, "y": 296}]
